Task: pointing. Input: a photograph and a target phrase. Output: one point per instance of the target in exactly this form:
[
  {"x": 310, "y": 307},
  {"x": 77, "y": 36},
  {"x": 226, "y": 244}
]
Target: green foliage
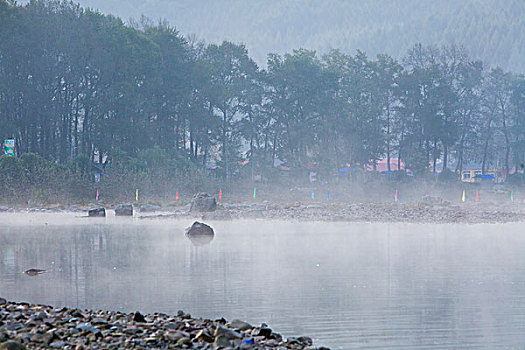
[{"x": 143, "y": 105}]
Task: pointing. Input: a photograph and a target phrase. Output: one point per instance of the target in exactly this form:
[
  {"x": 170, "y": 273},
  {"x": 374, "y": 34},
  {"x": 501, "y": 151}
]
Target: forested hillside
[{"x": 491, "y": 30}]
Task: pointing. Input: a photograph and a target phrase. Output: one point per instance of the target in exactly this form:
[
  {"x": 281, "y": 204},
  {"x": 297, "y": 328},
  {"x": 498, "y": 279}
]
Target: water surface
[{"x": 347, "y": 285}]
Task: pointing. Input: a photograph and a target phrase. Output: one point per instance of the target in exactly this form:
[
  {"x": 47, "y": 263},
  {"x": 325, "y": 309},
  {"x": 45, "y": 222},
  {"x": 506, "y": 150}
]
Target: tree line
[{"x": 77, "y": 84}]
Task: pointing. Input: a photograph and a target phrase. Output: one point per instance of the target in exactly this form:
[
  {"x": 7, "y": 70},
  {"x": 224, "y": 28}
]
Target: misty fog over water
[{"x": 347, "y": 285}]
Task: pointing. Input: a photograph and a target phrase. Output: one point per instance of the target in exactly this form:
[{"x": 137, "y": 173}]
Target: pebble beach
[{"x": 29, "y": 326}]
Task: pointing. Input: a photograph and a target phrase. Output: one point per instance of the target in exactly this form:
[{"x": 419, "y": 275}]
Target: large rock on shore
[
  {"x": 97, "y": 212},
  {"x": 203, "y": 202},
  {"x": 124, "y": 210},
  {"x": 200, "y": 234}
]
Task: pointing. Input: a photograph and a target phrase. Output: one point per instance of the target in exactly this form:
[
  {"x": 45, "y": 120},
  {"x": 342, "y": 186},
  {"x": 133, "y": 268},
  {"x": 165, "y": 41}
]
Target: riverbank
[
  {"x": 426, "y": 210},
  {"x": 29, "y": 326}
]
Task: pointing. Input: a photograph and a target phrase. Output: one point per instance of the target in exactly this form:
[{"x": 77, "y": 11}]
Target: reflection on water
[{"x": 346, "y": 285}]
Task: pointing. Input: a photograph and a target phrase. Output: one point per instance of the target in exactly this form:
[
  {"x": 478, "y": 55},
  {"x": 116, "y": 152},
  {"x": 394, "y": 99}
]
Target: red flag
[
  {"x": 177, "y": 196},
  {"x": 220, "y": 194}
]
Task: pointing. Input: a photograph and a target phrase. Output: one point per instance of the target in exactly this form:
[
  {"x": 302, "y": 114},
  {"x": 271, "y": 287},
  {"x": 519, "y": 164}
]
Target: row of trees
[{"x": 75, "y": 82}]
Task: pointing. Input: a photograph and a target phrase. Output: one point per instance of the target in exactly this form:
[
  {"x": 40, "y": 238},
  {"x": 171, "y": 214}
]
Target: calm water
[{"x": 347, "y": 285}]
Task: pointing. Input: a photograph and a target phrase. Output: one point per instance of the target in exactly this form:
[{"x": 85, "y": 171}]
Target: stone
[
  {"x": 124, "y": 210},
  {"x": 45, "y": 338},
  {"x": 138, "y": 317},
  {"x": 41, "y": 316},
  {"x": 184, "y": 341},
  {"x": 265, "y": 332},
  {"x": 89, "y": 328},
  {"x": 221, "y": 342},
  {"x": 97, "y": 212},
  {"x": 203, "y": 202},
  {"x": 306, "y": 340},
  {"x": 240, "y": 325},
  {"x": 202, "y": 335},
  {"x": 3, "y": 301},
  {"x": 200, "y": 234},
  {"x": 11, "y": 345},
  {"x": 226, "y": 332},
  {"x": 148, "y": 208},
  {"x": 59, "y": 344},
  {"x": 3, "y": 208}
]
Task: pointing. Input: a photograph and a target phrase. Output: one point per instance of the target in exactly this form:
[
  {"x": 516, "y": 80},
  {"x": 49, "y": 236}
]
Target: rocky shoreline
[
  {"x": 28, "y": 326},
  {"x": 427, "y": 210}
]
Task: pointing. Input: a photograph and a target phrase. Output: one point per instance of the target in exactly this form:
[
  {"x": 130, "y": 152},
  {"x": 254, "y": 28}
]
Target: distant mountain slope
[{"x": 492, "y": 30}]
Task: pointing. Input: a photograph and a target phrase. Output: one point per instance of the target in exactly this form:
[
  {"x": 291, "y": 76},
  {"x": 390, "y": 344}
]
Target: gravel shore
[
  {"x": 27, "y": 326},
  {"x": 430, "y": 211},
  {"x": 427, "y": 210}
]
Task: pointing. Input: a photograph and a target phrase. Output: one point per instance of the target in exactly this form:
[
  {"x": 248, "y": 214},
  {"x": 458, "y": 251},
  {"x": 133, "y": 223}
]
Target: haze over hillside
[{"x": 491, "y": 30}]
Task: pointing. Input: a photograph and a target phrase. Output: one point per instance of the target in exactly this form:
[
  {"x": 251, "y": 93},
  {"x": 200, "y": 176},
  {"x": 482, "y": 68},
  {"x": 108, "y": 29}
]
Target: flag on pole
[
  {"x": 395, "y": 197},
  {"x": 137, "y": 195},
  {"x": 313, "y": 194},
  {"x": 177, "y": 196},
  {"x": 97, "y": 194},
  {"x": 477, "y": 196},
  {"x": 463, "y": 197},
  {"x": 220, "y": 194},
  {"x": 254, "y": 192}
]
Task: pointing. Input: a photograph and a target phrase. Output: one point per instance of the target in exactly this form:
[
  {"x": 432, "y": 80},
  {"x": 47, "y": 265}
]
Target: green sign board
[{"x": 9, "y": 148}]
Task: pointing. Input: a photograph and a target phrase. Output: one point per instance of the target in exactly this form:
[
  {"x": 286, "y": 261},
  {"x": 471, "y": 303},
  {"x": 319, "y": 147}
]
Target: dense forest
[
  {"x": 491, "y": 30},
  {"x": 78, "y": 88}
]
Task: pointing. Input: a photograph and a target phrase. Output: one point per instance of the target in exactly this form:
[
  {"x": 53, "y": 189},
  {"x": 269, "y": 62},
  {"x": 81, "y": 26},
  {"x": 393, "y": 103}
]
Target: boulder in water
[
  {"x": 124, "y": 210},
  {"x": 203, "y": 202},
  {"x": 200, "y": 234},
  {"x": 97, "y": 212}
]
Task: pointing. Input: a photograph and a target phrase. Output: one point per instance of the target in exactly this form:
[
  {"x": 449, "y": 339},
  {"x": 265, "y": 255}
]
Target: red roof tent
[{"x": 382, "y": 165}]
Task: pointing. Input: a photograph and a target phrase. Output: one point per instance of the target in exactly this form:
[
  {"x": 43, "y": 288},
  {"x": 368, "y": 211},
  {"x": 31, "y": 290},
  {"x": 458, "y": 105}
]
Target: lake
[{"x": 346, "y": 285}]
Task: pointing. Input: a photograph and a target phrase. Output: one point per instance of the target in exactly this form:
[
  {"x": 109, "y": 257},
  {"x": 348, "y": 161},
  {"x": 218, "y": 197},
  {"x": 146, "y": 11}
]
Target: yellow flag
[
  {"x": 137, "y": 195},
  {"x": 463, "y": 197}
]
